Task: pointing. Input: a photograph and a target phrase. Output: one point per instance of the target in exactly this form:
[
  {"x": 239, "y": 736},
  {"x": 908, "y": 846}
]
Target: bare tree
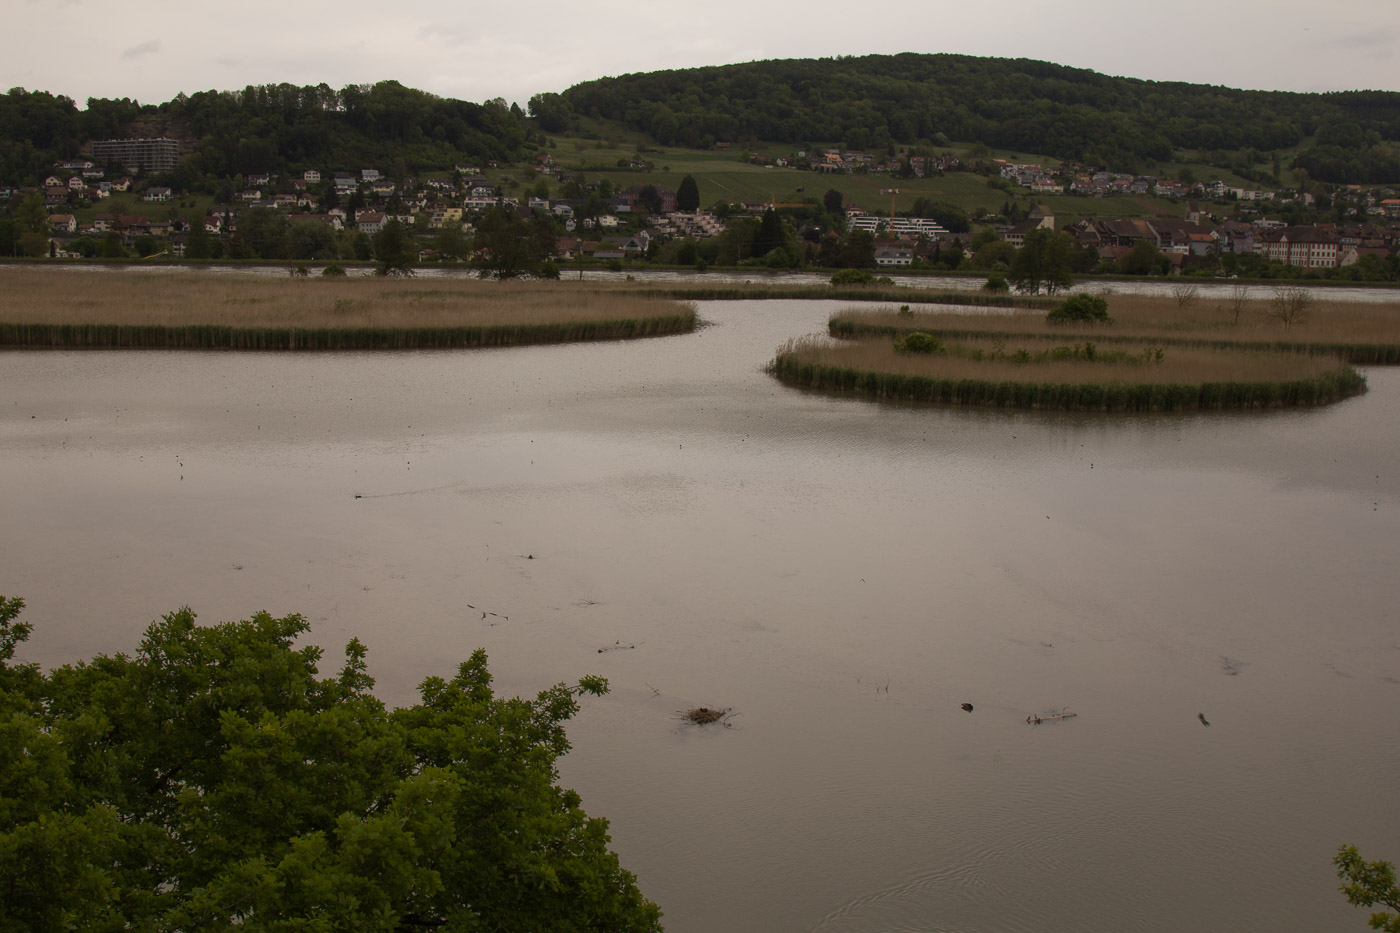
[
  {"x": 1186, "y": 294},
  {"x": 1239, "y": 299},
  {"x": 1290, "y": 305}
]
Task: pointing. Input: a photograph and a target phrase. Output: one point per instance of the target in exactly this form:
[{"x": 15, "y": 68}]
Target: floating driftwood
[{"x": 1035, "y": 719}]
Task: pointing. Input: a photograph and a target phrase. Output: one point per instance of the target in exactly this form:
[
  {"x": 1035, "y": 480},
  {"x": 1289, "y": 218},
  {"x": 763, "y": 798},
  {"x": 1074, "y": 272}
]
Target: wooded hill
[
  {"x": 870, "y": 102},
  {"x": 267, "y": 128},
  {"x": 1019, "y": 104}
]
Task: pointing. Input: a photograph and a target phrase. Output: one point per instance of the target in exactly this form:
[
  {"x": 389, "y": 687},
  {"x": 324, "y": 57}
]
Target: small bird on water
[
  {"x": 967, "y": 706},
  {"x": 1202, "y": 718}
]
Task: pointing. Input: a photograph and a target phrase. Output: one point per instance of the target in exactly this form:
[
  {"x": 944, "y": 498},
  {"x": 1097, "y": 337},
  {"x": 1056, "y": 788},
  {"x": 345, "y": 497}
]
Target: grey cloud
[
  {"x": 1363, "y": 40},
  {"x": 145, "y": 48}
]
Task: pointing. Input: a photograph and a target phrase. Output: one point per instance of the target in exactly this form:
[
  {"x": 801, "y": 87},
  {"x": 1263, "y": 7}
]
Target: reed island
[
  {"x": 117, "y": 308},
  {"x": 1103, "y": 353}
]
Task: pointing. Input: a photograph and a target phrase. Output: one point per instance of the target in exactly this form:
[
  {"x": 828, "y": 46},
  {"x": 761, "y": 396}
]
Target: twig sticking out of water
[{"x": 617, "y": 646}]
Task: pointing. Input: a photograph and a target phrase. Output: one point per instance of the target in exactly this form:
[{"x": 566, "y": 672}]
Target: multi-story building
[
  {"x": 1308, "y": 247},
  {"x": 138, "y": 155}
]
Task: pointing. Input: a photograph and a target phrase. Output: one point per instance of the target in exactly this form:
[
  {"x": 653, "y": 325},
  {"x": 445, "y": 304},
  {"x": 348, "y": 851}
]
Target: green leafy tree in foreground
[
  {"x": 1366, "y": 884},
  {"x": 214, "y": 781}
]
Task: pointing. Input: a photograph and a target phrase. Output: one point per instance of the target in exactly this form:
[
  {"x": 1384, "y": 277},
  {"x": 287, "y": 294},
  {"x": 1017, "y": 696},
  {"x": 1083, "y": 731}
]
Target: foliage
[
  {"x": 1087, "y": 309},
  {"x": 395, "y": 250},
  {"x": 1362, "y": 164},
  {"x": 852, "y": 277},
  {"x": 214, "y": 780},
  {"x": 996, "y": 282},
  {"x": 267, "y": 128},
  {"x": 771, "y": 234},
  {"x": 918, "y": 341},
  {"x": 1043, "y": 261},
  {"x": 1144, "y": 259},
  {"x": 551, "y": 111},
  {"x": 1366, "y": 884},
  {"x": 688, "y": 194},
  {"x": 507, "y": 245},
  {"x": 334, "y": 269},
  {"x": 949, "y": 216},
  {"x": 1015, "y": 104}
]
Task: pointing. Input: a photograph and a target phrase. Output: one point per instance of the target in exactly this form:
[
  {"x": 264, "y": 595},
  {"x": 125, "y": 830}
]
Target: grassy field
[
  {"x": 52, "y": 307},
  {"x": 125, "y": 202},
  {"x": 1360, "y": 332}
]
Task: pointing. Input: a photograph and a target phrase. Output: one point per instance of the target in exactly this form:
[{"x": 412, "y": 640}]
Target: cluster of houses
[
  {"x": 594, "y": 226},
  {"x": 1316, "y": 246},
  {"x": 851, "y": 161},
  {"x": 904, "y": 241}
]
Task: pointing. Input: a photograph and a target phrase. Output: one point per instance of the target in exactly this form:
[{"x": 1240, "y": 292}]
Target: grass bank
[
  {"x": 1359, "y": 332},
  {"x": 1028, "y": 372},
  {"x": 71, "y": 308}
]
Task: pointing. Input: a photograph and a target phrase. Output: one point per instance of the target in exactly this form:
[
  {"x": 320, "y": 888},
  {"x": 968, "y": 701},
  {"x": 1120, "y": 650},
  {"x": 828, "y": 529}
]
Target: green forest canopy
[
  {"x": 268, "y": 128},
  {"x": 214, "y": 781},
  {"x": 1020, "y": 104},
  {"x": 869, "y": 102}
]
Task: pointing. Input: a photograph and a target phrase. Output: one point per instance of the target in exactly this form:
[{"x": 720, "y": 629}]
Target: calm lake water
[{"x": 841, "y": 574}]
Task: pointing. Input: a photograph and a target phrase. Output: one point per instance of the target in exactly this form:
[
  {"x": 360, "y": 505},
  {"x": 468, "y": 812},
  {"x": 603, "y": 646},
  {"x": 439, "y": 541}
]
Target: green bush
[
  {"x": 333, "y": 269},
  {"x": 996, "y": 282},
  {"x": 852, "y": 277},
  {"x": 918, "y": 341},
  {"x": 1089, "y": 309}
]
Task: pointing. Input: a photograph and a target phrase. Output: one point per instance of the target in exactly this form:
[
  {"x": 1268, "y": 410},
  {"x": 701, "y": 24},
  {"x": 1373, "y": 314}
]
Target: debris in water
[
  {"x": 704, "y": 715},
  {"x": 967, "y": 706},
  {"x": 1203, "y": 719},
  {"x": 1036, "y": 719}
]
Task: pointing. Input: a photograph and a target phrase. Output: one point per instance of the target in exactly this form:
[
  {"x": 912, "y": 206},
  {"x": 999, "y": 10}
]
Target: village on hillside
[{"x": 338, "y": 213}]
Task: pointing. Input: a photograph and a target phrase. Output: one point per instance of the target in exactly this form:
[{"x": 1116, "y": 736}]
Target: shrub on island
[{"x": 1080, "y": 309}]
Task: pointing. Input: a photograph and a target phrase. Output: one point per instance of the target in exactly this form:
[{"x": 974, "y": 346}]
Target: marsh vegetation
[
  {"x": 98, "y": 309},
  {"x": 1361, "y": 332},
  {"x": 1150, "y": 354}
]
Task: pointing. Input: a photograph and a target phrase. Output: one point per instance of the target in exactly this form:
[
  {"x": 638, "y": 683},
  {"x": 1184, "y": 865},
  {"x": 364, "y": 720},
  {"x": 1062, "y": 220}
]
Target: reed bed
[
  {"x": 69, "y": 308},
  {"x": 1364, "y": 333},
  {"x": 758, "y": 291},
  {"x": 1020, "y": 373}
]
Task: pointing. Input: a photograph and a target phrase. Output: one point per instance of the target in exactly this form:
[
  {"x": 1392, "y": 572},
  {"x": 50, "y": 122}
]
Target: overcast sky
[{"x": 153, "y": 49}]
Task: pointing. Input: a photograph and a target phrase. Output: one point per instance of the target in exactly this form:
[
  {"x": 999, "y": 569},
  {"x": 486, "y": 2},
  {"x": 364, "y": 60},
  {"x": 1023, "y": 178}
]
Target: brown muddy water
[{"x": 841, "y": 574}]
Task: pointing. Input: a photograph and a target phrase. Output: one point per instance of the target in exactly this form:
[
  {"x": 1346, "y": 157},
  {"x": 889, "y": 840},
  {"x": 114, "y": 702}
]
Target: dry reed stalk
[
  {"x": 1180, "y": 365},
  {"x": 1143, "y": 316},
  {"x": 63, "y": 296}
]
